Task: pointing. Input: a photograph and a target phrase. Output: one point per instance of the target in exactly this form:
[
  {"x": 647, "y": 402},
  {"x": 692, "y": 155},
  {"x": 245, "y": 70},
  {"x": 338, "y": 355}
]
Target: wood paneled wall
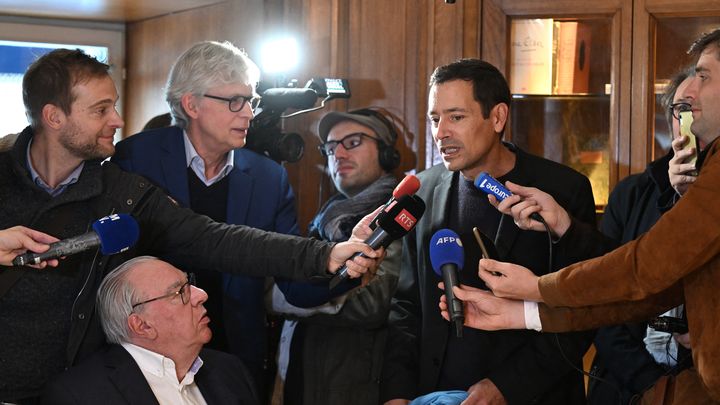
[
  {"x": 386, "y": 49},
  {"x": 154, "y": 44}
]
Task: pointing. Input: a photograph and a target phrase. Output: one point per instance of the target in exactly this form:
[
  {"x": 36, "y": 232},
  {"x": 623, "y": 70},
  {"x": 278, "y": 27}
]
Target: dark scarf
[{"x": 338, "y": 216}]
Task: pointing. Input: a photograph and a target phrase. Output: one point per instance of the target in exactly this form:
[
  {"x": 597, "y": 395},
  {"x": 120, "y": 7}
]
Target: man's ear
[
  {"x": 53, "y": 117},
  {"x": 139, "y": 328},
  {"x": 190, "y": 104},
  {"x": 499, "y": 116}
]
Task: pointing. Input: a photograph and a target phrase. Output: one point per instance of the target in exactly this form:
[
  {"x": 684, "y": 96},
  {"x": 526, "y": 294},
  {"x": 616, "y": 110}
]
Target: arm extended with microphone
[
  {"x": 394, "y": 222},
  {"x": 447, "y": 258},
  {"x": 114, "y": 234}
]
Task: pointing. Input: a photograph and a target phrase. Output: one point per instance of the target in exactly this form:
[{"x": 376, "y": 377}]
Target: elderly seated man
[{"x": 154, "y": 318}]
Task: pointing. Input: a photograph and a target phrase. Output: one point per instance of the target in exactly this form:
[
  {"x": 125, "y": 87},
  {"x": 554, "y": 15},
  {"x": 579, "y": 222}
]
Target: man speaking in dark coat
[{"x": 469, "y": 103}]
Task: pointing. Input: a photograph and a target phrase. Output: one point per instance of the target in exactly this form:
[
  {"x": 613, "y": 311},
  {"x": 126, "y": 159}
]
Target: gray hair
[
  {"x": 115, "y": 298},
  {"x": 207, "y": 64}
]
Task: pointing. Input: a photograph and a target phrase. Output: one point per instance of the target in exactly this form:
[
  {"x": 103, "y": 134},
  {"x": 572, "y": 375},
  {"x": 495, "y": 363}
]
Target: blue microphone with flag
[{"x": 114, "y": 234}]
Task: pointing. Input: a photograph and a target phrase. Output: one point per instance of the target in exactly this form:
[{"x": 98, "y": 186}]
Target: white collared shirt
[
  {"x": 197, "y": 164},
  {"x": 159, "y": 372}
]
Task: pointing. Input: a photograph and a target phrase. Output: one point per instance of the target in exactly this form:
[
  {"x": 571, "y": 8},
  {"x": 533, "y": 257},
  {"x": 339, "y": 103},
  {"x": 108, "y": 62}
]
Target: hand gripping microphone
[
  {"x": 114, "y": 234},
  {"x": 447, "y": 258},
  {"x": 393, "y": 223},
  {"x": 408, "y": 186},
  {"x": 489, "y": 185}
]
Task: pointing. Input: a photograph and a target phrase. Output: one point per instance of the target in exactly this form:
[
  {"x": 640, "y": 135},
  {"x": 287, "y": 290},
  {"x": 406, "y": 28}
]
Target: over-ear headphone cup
[{"x": 388, "y": 156}]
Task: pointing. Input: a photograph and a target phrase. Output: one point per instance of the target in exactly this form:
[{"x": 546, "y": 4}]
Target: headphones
[{"x": 388, "y": 156}]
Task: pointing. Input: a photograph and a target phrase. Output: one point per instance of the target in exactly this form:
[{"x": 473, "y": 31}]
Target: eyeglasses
[
  {"x": 237, "y": 103},
  {"x": 348, "y": 142},
  {"x": 183, "y": 292},
  {"x": 677, "y": 108}
]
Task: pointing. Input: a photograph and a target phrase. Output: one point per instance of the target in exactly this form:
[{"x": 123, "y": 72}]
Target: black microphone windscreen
[
  {"x": 401, "y": 215},
  {"x": 279, "y": 99}
]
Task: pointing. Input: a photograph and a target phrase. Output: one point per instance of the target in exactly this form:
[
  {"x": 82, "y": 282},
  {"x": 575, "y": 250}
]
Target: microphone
[
  {"x": 447, "y": 258},
  {"x": 279, "y": 99},
  {"x": 489, "y": 185},
  {"x": 393, "y": 223},
  {"x": 115, "y": 233},
  {"x": 408, "y": 186}
]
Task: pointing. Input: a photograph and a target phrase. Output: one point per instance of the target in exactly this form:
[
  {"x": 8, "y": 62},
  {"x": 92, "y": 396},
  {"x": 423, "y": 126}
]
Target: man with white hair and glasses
[
  {"x": 201, "y": 163},
  {"x": 156, "y": 322}
]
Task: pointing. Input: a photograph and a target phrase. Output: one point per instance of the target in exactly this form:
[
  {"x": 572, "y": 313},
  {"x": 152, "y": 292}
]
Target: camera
[
  {"x": 265, "y": 135},
  {"x": 669, "y": 324}
]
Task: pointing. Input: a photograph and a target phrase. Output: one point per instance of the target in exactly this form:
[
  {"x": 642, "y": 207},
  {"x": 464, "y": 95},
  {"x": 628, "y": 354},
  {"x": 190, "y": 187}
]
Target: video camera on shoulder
[
  {"x": 669, "y": 324},
  {"x": 266, "y": 136}
]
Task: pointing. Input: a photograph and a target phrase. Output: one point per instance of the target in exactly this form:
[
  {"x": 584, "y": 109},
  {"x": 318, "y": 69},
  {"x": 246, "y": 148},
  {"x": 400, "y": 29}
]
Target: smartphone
[
  {"x": 487, "y": 248},
  {"x": 685, "y": 122}
]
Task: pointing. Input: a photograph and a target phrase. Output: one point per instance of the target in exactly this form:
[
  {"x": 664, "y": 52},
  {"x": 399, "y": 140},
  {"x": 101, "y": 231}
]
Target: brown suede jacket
[{"x": 677, "y": 261}]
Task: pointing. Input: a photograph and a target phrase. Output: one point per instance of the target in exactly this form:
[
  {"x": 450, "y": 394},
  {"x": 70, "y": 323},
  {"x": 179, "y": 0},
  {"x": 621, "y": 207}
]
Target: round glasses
[
  {"x": 183, "y": 292},
  {"x": 237, "y": 103}
]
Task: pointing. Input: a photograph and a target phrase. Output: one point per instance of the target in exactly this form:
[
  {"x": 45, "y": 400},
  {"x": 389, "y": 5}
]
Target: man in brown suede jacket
[{"x": 677, "y": 261}]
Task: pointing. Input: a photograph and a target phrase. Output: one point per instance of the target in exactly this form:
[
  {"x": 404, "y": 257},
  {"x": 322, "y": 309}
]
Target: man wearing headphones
[{"x": 337, "y": 344}]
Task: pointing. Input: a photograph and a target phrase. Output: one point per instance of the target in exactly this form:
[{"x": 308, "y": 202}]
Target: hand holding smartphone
[{"x": 487, "y": 248}]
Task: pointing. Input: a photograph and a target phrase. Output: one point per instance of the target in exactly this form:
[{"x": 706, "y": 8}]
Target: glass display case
[
  {"x": 569, "y": 129},
  {"x": 560, "y": 77}
]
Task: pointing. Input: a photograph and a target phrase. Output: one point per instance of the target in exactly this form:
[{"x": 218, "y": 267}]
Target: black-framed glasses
[
  {"x": 237, "y": 103},
  {"x": 183, "y": 292},
  {"x": 677, "y": 108},
  {"x": 348, "y": 142}
]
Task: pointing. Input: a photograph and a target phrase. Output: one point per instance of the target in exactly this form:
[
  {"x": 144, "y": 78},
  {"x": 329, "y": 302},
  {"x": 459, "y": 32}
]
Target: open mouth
[
  {"x": 449, "y": 150},
  {"x": 204, "y": 318}
]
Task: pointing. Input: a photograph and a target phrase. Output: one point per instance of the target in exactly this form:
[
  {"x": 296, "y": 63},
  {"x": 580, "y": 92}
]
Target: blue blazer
[{"x": 259, "y": 196}]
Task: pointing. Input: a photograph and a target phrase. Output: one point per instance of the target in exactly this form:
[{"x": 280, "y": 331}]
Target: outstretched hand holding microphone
[
  {"x": 394, "y": 221},
  {"x": 113, "y": 234},
  {"x": 19, "y": 239},
  {"x": 528, "y": 206}
]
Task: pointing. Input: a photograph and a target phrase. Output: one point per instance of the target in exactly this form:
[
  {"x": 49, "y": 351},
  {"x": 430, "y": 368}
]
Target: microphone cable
[
  {"x": 585, "y": 373},
  {"x": 557, "y": 336}
]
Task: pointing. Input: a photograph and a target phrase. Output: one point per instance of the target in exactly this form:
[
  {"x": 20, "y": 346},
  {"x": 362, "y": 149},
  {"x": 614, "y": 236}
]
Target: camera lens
[{"x": 289, "y": 147}]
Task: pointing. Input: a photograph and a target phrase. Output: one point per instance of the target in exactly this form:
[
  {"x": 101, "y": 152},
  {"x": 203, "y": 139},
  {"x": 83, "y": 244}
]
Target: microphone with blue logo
[
  {"x": 114, "y": 234},
  {"x": 489, "y": 185},
  {"x": 447, "y": 257}
]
